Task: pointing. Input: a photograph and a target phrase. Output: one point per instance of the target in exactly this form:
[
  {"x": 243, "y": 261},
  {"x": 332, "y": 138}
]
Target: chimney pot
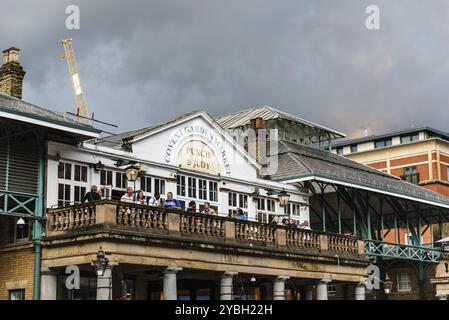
[
  {"x": 11, "y": 55},
  {"x": 11, "y": 73}
]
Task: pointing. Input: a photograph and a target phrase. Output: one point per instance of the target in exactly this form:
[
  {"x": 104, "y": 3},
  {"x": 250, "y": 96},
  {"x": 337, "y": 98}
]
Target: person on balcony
[
  {"x": 305, "y": 225},
  {"x": 92, "y": 195},
  {"x": 207, "y": 209},
  {"x": 155, "y": 201},
  {"x": 171, "y": 203},
  {"x": 128, "y": 196},
  {"x": 292, "y": 223},
  {"x": 241, "y": 215},
  {"x": 140, "y": 198},
  {"x": 192, "y": 207}
]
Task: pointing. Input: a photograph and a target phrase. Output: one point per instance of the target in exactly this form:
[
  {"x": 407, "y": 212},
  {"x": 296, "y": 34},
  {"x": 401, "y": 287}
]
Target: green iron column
[{"x": 37, "y": 224}]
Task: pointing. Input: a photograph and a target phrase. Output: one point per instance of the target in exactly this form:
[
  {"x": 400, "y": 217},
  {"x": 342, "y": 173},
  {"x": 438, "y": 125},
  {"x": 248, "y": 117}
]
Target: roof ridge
[{"x": 241, "y": 111}]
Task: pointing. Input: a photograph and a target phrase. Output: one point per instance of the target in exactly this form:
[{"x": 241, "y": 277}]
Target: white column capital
[
  {"x": 229, "y": 274},
  {"x": 172, "y": 269}
]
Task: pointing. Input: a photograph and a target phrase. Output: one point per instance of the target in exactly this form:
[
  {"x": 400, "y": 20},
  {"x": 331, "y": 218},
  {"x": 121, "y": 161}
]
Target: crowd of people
[{"x": 170, "y": 202}]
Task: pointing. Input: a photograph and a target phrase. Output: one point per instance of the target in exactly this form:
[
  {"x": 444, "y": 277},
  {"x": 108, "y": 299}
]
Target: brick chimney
[{"x": 11, "y": 73}]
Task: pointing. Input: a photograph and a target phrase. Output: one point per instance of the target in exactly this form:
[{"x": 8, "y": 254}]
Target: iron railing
[{"x": 401, "y": 251}]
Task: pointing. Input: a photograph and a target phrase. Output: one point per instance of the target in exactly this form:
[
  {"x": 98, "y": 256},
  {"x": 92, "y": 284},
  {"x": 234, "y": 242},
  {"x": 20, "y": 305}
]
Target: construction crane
[{"x": 81, "y": 104}]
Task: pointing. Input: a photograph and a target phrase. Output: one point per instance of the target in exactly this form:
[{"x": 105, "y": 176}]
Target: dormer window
[
  {"x": 409, "y": 138},
  {"x": 382, "y": 143}
]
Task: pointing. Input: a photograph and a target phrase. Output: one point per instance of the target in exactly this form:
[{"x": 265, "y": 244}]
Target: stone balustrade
[{"x": 212, "y": 228}]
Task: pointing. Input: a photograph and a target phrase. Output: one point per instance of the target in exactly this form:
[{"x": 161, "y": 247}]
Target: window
[
  {"x": 243, "y": 201},
  {"x": 232, "y": 199},
  {"x": 148, "y": 184},
  {"x": 340, "y": 151},
  {"x": 145, "y": 184},
  {"x": 237, "y": 200},
  {"x": 181, "y": 185},
  {"x": 197, "y": 189},
  {"x": 106, "y": 178},
  {"x": 202, "y": 186},
  {"x": 120, "y": 180},
  {"x": 271, "y": 205},
  {"x": 79, "y": 193},
  {"x": 411, "y": 175},
  {"x": 16, "y": 294},
  {"x": 404, "y": 282},
  {"x": 261, "y": 204},
  {"x": 80, "y": 173},
  {"x": 213, "y": 194},
  {"x": 63, "y": 195},
  {"x": 192, "y": 187},
  {"x": 113, "y": 183},
  {"x": 410, "y": 138},
  {"x": 353, "y": 148},
  {"x": 159, "y": 186},
  {"x": 65, "y": 170},
  {"x": 382, "y": 143},
  {"x": 295, "y": 209}
]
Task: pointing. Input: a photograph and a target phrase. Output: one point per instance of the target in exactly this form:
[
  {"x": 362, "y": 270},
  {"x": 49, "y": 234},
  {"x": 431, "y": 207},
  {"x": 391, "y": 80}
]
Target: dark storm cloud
[{"x": 146, "y": 61}]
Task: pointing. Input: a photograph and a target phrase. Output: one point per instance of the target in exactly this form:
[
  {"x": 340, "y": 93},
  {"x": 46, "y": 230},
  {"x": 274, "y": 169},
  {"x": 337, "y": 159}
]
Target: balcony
[
  {"x": 144, "y": 237},
  {"x": 183, "y": 225}
]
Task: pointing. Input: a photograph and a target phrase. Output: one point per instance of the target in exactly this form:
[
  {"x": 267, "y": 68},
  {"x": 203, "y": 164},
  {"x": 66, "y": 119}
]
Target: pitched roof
[
  {"x": 242, "y": 118},
  {"x": 19, "y": 108},
  {"x": 298, "y": 161}
]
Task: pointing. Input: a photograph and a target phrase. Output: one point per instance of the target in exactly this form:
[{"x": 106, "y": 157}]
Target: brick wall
[{"x": 16, "y": 269}]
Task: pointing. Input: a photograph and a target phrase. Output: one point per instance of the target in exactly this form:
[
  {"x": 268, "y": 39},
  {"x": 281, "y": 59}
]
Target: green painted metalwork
[
  {"x": 401, "y": 251},
  {"x": 37, "y": 225},
  {"x": 18, "y": 203}
]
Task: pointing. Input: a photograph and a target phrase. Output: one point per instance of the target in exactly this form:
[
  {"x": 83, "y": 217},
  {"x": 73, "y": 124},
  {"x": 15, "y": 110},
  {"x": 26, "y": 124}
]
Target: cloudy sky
[{"x": 142, "y": 62}]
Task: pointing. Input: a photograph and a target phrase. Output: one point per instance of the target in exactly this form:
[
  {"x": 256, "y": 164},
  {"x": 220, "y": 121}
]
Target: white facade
[{"x": 193, "y": 157}]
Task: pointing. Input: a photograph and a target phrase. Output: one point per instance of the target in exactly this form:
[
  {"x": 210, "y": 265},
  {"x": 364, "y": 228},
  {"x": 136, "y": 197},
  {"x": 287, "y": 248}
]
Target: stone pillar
[
  {"x": 49, "y": 283},
  {"x": 104, "y": 282},
  {"x": 170, "y": 288},
  {"x": 279, "y": 288},
  {"x": 226, "y": 288},
  {"x": 360, "y": 291},
  {"x": 309, "y": 293},
  {"x": 321, "y": 290}
]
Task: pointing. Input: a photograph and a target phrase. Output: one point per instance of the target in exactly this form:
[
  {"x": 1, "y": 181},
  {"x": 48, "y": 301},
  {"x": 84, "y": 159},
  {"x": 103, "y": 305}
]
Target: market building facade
[{"x": 262, "y": 161}]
